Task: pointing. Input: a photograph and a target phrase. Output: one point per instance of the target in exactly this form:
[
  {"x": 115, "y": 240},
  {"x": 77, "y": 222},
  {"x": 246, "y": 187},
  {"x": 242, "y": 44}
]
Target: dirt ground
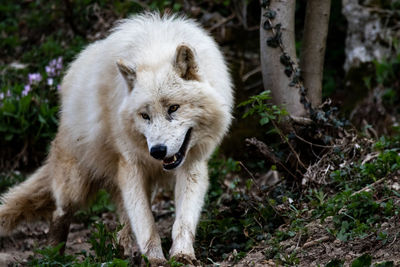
[
  {"x": 316, "y": 248},
  {"x": 17, "y": 248},
  {"x": 319, "y": 248}
]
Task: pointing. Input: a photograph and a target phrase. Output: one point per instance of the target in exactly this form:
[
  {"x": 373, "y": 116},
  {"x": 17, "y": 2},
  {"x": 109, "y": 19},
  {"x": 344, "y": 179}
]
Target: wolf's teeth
[{"x": 175, "y": 158}]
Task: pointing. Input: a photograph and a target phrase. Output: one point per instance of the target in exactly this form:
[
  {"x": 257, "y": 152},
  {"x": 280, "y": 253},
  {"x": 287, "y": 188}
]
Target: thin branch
[
  {"x": 251, "y": 73},
  {"x": 289, "y": 144},
  {"x": 221, "y": 22},
  {"x": 251, "y": 175},
  {"x": 263, "y": 149},
  {"x": 312, "y": 144},
  {"x": 301, "y": 120}
]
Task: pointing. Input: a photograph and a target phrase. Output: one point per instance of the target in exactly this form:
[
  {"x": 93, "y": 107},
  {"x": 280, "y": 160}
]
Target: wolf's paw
[{"x": 186, "y": 259}]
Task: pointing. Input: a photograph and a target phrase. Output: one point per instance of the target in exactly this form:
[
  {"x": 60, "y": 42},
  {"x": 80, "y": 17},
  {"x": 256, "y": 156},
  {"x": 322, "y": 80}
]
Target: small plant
[
  {"x": 29, "y": 111},
  {"x": 362, "y": 261},
  {"x": 173, "y": 263},
  {"x": 146, "y": 260},
  {"x": 261, "y": 105},
  {"x": 236, "y": 219},
  {"x": 51, "y": 256},
  {"x": 104, "y": 243},
  {"x": 290, "y": 259},
  {"x": 383, "y": 236}
]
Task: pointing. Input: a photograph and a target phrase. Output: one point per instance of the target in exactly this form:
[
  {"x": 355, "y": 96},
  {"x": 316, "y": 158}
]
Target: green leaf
[
  {"x": 384, "y": 264},
  {"x": 41, "y": 119},
  {"x": 117, "y": 263},
  {"x": 25, "y": 103},
  {"x": 264, "y": 120},
  {"x": 9, "y": 137},
  {"x": 362, "y": 261},
  {"x": 335, "y": 263}
]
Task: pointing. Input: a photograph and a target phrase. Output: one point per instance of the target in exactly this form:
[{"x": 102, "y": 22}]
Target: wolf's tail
[{"x": 29, "y": 201}]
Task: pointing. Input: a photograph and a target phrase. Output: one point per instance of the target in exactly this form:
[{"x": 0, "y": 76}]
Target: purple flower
[
  {"x": 27, "y": 89},
  {"x": 50, "y": 81},
  {"x": 1, "y": 96},
  {"x": 49, "y": 69},
  {"x": 58, "y": 87},
  {"x": 34, "y": 78},
  {"x": 59, "y": 64},
  {"x": 55, "y": 66}
]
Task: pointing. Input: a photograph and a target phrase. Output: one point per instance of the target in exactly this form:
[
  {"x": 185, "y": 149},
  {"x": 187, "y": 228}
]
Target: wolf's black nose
[{"x": 158, "y": 151}]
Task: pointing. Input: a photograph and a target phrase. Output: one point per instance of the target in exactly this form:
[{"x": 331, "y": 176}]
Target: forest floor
[
  {"x": 316, "y": 250},
  {"x": 313, "y": 245}
]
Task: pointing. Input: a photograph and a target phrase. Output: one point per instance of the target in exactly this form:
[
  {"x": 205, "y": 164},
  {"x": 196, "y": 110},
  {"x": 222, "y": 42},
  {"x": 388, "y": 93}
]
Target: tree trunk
[
  {"x": 273, "y": 71},
  {"x": 313, "y": 48}
]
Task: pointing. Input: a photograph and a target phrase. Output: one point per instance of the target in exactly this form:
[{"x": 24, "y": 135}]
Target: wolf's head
[{"x": 170, "y": 106}]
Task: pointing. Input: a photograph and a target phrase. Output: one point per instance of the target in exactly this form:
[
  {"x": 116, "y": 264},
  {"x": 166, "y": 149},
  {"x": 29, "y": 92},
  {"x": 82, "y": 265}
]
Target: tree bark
[
  {"x": 273, "y": 71},
  {"x": 313, "y": 48}
]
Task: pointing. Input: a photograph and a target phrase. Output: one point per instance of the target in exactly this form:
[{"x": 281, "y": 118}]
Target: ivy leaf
[
  {"x": 267, "y": 25},
  {"x": 271, "y": 14}
]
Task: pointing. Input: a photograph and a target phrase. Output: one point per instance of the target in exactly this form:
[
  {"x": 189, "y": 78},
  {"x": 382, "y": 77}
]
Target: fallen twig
[
  {"x": 370, "y": 157},
  {"x": 369, "y": 186},
  {"x": 315, "y": 242}
]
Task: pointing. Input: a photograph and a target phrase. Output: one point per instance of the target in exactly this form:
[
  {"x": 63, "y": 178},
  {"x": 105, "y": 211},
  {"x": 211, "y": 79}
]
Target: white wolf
[{"x": 144, "y": 107}]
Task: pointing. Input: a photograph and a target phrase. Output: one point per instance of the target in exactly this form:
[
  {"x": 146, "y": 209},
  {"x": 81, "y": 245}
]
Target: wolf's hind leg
[
  {"x": 125, "y": 235},
  {"x": 71, "y": 187},
  {"x": 59, "y": 228}
]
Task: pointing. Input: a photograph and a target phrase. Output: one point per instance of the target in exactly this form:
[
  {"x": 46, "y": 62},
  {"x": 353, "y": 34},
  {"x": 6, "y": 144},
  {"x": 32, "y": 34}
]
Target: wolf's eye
[
  {"x": 173, "y": 108},
  {"x": 145, "y": 116}
]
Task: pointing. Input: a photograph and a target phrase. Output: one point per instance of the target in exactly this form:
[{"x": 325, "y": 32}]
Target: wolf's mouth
[{"x": 174, "y": 161}]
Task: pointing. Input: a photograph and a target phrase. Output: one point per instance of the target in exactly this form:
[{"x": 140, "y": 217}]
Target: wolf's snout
[{"x": 158, "y": 151}]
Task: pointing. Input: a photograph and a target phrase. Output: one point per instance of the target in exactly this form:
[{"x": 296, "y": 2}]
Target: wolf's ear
[
  {"x": 185, "y": 63},
  {"x": 128, "y": 72}
]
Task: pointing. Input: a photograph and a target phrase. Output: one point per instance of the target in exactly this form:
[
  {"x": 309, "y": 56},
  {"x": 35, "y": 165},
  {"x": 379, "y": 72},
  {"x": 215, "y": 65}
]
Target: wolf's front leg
[
  {"x": 191, "y": 186},
  {"x": 135, "y": 194}
]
